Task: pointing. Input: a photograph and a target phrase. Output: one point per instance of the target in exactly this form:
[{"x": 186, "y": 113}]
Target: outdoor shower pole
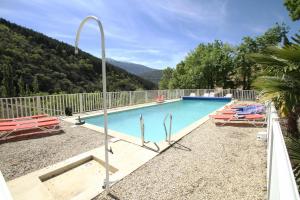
[{"x": 106, "y": 182}]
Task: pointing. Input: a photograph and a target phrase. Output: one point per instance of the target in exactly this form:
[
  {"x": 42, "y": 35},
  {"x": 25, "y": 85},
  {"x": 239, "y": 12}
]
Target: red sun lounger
[
  {"x": 29, "y": 121},
  {"x": 24, "y": 118},
  {"x": 227, "y": 112},
  {"x": 160, "y": 99},
  {"x": 253, "y": 119},
  {"x": 44, "y": 126},
  {"x": 236, "y": 106}
]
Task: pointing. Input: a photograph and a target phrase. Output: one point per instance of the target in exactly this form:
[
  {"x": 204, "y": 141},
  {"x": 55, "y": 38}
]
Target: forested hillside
[
  {"x": 153, "y": 75},
  {"x": 32, "y": 63},
  {"x": 219, "y": 64}
]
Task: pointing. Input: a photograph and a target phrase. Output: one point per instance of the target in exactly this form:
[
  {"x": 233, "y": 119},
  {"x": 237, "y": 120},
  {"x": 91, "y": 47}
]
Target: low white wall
[{"x": 281, "y": 180}]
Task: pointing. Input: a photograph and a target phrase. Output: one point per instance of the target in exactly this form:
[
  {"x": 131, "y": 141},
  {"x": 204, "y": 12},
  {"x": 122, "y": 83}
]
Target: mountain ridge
[{"x": 148, "y": 73}]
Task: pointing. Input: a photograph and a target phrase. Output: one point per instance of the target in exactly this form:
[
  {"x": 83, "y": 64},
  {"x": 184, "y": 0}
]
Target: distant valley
[{"x": 153, "y": 75}]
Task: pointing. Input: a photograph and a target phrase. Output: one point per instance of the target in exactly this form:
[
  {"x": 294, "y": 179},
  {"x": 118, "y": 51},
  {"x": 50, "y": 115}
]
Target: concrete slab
[
  {"x": 82, "y": 176},
  {"x": 62, "y": 186}
]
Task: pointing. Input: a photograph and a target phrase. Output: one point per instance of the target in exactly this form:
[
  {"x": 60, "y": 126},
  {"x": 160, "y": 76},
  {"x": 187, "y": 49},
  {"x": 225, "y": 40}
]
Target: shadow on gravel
[
  {"x": 109, "y": 196},
  {"x": 177, "y": 145},
  {"x": 113, "y": 196}
]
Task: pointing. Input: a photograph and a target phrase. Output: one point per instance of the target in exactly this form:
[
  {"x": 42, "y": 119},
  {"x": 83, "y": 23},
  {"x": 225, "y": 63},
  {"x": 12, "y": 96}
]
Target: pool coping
[{"x": 158, "y": 147}]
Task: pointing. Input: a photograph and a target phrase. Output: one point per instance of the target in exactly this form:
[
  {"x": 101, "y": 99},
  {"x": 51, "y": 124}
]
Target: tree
[
  {"x": 166, "y": 78},
  {"x": 21, "y": 87},
  {"x": 35, "y": 85},
  {"x": 8, "y": 81},
  {"x": 293, "y": 6},
  {"x": 246, "y": 69},
  {"x": 218, "y": 64},
  {"x": 3, "y": 91},
  {"x": 27, "y": 90},
  {"x": 285, "y": 92},
  {"x": 272, "y": 37},
  {"x": 207, "y": 66}
]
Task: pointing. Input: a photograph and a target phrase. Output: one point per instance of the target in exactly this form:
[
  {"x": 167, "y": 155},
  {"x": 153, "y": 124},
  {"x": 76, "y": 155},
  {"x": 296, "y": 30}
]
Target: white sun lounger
[{"x": 228, "y": 95}]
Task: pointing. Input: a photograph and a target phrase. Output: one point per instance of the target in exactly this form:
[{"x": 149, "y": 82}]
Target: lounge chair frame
[
  {"x": 35, "y": 126},
  {"x": 255, "y": 122}
]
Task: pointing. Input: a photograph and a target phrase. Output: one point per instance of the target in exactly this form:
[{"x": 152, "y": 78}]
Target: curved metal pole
[{"x": 104, "y": 88}]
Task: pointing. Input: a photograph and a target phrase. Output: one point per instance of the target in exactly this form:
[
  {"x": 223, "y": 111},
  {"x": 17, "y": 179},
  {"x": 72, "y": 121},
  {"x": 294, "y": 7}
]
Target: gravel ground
[
  {"x": 210, "y": 163},
  {"x": 22, "y": 157}
]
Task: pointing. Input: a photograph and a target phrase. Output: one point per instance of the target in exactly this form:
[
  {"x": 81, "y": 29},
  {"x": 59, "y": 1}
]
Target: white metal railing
[
  {"x": 4, "y": 192},
  {"x": 168, "y": 134},
  {"x": 55, "y": 105},
  {"x": 280, "y": 176}
]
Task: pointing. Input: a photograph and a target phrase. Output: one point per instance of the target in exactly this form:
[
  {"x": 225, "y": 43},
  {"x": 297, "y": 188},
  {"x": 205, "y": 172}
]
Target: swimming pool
[{"x": 184, "y": 112}]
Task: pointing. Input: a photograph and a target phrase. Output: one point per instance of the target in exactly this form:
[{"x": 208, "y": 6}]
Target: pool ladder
[
  {"x": 168, "y": 135},
  {"x": 143, "y": 136}
]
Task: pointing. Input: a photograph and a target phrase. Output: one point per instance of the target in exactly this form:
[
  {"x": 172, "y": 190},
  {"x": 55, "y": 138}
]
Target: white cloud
[
  {"x": 204, "y": 12},
  {"x": 61, "y": 35},
  {"x": 257, "y": 29}
]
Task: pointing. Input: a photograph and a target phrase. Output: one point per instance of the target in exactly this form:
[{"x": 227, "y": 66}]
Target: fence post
[
  {"x": 38, "y": 104},
  {"x": 242, "y": 95},
  {"x": 146, "y": 96},
  {"x": 80, "y": 103},
  {"x": 109, "y": 100},
  {"x": 2, "y": 108},
  {"x": 130, "y": 98}
]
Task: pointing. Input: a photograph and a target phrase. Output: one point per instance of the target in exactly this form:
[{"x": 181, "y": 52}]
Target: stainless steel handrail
[
  {"x": 142, "y": 125},
  {"x": 168, "y": 135},
  {"x": 142, "y": 129},
  {"x": 170, "y": 129},
  {"x": 166, "y": 131}
]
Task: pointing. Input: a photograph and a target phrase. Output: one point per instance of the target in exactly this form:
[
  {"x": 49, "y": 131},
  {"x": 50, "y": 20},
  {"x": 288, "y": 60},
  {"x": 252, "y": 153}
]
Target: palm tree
[
  {"x": 281, "y": 80},
  {"x": 285, "y": 93}
]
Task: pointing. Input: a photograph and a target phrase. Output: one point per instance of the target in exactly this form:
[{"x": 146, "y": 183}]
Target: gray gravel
[
  {"x": 210, "y": 163},
  {"x": 22, "y": 157}
]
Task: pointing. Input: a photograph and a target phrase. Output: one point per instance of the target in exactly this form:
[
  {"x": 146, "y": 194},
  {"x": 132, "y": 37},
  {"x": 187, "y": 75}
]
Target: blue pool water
[{"x": 184, "y": 113}]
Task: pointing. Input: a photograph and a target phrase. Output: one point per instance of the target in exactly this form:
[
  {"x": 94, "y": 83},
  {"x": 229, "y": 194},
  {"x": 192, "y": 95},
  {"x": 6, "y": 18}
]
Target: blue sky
[{"x": 157, "y": 33}]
